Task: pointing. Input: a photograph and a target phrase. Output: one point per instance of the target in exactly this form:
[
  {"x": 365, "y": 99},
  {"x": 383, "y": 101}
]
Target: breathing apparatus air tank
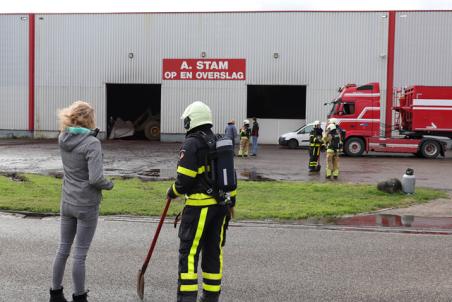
[
  {"x": 226, "y": 179},
  {"x": 408, "y": 181}
]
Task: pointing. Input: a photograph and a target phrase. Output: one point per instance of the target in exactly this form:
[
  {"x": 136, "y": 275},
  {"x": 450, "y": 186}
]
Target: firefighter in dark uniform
[
  {"x": 333, "y": 141},
  {"x": 315, "y": 144},
  {"x": 204, "y": 217}
]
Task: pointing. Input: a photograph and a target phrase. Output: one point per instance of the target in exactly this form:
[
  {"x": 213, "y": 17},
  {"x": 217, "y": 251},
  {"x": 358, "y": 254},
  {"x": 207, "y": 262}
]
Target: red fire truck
[{"x": 420, "y": 120}]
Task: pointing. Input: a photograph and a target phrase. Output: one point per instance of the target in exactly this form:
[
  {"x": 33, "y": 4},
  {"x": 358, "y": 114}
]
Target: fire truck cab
[{"x": 420, "y": 115}]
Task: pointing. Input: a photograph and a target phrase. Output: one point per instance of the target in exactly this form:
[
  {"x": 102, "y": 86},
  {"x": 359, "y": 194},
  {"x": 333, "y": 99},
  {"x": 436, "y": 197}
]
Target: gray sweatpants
[{"x": 79, "y": 223}]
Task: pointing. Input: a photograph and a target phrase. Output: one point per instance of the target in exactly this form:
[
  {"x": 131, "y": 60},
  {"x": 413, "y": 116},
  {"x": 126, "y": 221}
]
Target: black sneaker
[{"x": 80, "y": 298}]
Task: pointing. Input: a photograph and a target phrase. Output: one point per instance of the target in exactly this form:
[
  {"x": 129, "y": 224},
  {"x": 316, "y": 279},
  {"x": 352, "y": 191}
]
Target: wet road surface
[
  {"x": 260, "y": 265},
  {"x": 158, "y": 160}
]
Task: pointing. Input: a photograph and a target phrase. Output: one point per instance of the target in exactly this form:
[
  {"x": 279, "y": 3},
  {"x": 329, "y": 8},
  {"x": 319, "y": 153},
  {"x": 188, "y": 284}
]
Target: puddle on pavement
[
  {"x": 150, "y": 172},
  {"x": 390, "y": 220},
  {"x": 14, "y": 176},
  {"x": 56, "y": 174},
  {"x": 253, "y": 175}
]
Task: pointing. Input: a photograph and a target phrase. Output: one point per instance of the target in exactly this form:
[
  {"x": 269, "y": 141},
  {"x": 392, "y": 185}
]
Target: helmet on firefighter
[
  {"x": 316, "y": 124},
  {"x": 331, "y": 127},
  {"x": 333, "y": 121},
  {"x": 246, "y": 122},
  {"x": 196, "y": 114}
]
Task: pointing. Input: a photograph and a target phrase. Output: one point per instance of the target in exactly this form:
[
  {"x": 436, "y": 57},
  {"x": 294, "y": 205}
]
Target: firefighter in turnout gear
[
  {"x": 205, "y": 216},
  {"x": 333, "y": 141},
  {"x": 315, "y": 144},
  {"x": 245, "y": 133},
  {"x": 339, "y": 129}
]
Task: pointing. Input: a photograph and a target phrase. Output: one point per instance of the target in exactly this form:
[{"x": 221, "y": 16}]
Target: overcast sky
[{"x": 44, "y": 6}]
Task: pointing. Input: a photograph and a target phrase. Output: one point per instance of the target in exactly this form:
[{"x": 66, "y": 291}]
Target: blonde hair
[{"x": 79, "y": 114}]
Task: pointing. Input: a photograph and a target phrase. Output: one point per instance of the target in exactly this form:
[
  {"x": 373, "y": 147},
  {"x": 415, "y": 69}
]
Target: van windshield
[
  {"x": 335, "y": 107},
  {"x": 300, "y": 128}
]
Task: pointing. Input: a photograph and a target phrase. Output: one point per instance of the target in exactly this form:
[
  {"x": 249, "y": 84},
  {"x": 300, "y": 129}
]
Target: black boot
[
  {"x": 57, "y": 295},
  {"x": 186, "y": 298},
  {"x": 80, "y": 298},
  {"x": 209, "y": 297}
]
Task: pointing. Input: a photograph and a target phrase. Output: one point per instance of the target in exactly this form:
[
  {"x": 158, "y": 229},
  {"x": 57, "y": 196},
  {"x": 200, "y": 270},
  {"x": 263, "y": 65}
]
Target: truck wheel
[
  {"x": 152, "y": 130},
  {"x": 292, "y": 144},
  {"x": 354, "y": 147},
  {"x": 430, "y": 149}
]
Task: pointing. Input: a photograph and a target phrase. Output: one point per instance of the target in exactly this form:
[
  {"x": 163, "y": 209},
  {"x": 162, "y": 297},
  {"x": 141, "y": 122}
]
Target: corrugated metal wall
[
  {"x": 423, "y": 52},
  {"x": 14, "y": 72},
  {"x": 77, "y": 54}
]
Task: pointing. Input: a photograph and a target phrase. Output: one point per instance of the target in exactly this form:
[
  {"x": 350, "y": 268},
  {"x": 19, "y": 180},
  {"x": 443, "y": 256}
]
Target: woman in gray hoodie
[{"x": 83, "y": 183}]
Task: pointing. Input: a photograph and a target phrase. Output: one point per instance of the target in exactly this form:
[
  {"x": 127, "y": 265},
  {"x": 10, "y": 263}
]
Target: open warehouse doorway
[
  {"x": 276, "y": 101},
  {"x": 278, "y": 108},
  {"x": 133, "y": 111}
]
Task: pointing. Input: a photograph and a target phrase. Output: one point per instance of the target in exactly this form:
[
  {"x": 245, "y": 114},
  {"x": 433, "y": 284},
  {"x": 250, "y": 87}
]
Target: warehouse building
[{"x": 280, "y": 67}]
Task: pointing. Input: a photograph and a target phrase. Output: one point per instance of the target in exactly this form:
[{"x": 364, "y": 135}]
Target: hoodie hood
[{"x": 72, "y": 137}]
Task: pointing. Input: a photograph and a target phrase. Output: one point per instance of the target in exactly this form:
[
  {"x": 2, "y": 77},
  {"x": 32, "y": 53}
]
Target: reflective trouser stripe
[
  {"x": 211, "y": 288},
  {"x": 212, "y": 276},
  {"x": 189, "y": 288},
  {"x": 212, "y": 281},
  {"x": 221, "y": 246},
  {"x": 194, "y": 247},
  {"x": 189, "y": 276}
]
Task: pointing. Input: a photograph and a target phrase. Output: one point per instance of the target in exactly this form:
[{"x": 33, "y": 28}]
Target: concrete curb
[{"x": 306, "y": 225}]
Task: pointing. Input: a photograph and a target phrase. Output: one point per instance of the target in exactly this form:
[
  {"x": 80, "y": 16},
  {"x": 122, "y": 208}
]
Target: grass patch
[{"x": 279, "y": 200}]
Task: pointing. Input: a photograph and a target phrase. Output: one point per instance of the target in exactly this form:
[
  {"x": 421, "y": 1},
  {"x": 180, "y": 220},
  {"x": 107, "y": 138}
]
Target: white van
[{"x": 298, "y": 138}]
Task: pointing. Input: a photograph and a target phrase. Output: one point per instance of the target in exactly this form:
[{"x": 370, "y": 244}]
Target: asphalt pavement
[
  {"x": 263, "y": 263},
  {"x": 157, "y": 160}
]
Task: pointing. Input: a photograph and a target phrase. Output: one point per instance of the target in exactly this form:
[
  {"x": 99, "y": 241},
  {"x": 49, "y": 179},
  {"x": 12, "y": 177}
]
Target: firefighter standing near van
[
  {"x": 245, "y": 133},
  {"x": 339, "y": 129},
  {"x": 315, "y": 144},
  {"x": 333, "y": 141},
  {"x": 207, "y": 209}
]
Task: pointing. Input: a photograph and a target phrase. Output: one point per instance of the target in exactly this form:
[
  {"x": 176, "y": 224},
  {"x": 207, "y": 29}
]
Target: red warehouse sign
[{"x": 204, "y": 69}]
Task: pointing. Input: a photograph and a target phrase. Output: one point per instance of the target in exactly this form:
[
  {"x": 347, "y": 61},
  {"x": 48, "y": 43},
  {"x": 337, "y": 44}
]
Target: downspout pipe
[
  {"x": 390, "y": 73},
  {"x": 31, "y": 73}
]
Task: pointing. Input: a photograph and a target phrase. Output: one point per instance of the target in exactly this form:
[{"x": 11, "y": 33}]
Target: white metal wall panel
[
  {"x": 423, "y": 52},
  {"x": 78, "y": 54},
  {"x": 14, "y": 72}
]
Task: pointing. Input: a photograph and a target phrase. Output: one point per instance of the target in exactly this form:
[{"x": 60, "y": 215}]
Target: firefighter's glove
[{"x": 170, "y": 194}]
